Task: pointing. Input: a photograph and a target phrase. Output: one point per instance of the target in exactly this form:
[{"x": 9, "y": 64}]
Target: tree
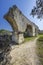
[{"x": 38, "y": 9}]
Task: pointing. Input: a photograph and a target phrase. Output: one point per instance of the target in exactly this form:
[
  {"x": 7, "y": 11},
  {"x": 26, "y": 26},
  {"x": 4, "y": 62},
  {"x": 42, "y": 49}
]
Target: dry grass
[{"x": 40, "y": 48}]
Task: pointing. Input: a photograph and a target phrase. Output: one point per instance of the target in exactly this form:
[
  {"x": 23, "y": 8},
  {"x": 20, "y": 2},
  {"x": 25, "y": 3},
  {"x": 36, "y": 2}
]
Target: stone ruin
[
  {"x": 21, "y": 27},
  {"x": 20, "y": 24}
]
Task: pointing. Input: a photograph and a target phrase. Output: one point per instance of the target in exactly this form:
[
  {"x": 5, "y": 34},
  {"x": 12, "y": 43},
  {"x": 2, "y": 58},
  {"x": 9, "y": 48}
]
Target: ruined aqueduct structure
[{"x": 20, "y": 24}]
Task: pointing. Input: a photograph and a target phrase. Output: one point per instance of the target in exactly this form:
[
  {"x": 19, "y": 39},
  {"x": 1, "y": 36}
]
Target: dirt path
[{"x": 25, "y": 54}]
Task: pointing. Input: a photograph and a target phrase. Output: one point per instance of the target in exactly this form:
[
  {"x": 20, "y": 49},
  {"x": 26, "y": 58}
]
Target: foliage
[
  {"x": 2, "y": 31},
  {"x": 38, "y": 9}
]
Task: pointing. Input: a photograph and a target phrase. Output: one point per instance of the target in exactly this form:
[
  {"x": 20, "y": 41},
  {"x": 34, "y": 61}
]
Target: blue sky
[{"x": 24, "y": 5}]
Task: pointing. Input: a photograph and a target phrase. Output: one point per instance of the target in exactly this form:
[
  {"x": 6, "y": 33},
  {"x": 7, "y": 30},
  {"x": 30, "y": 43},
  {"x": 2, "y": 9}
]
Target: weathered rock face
[
  {"x": 19, "y": 24},
  {"x": 4, "y": 53}
]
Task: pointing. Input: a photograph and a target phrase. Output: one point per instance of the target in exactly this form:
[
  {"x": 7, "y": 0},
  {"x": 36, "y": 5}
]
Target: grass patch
[
  {"x": 40, "y": 35},
  {"x": 29, "y": 38},
  {"x": 40, "y": 48}
]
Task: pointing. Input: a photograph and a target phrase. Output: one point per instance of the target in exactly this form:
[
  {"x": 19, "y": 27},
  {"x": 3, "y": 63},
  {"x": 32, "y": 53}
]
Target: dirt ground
[{"x": 25, "y": 54}]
